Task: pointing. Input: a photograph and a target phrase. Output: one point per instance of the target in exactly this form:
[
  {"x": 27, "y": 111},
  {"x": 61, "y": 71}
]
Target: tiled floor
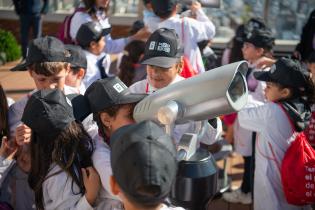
[{"x": 18, "y": 84}]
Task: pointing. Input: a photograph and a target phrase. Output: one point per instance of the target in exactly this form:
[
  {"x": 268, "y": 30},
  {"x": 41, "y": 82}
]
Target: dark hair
[
  {"x": 305, "y": 46},
  {"x": 4, "y": 120},
  {"x": 91, "y": 9},
  {"x": 307, "y": 93},
  {"x": 68, "y": 150},
  {"x": 48, "y": 68},
  {"x": 132, "y": 55},
  {"x": 76, "y": 70},
  {"x": 311, "y": 57}
]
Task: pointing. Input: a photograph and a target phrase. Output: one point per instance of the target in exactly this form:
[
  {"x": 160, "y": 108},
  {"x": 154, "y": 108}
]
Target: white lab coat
[
  {"x": 194, "y": 31},
  {"x": 60, "y": 193},
  {"x": 211, "y": 135},
  {"x": 93, "y": 72},
  {"x": 274, "y": 131}
]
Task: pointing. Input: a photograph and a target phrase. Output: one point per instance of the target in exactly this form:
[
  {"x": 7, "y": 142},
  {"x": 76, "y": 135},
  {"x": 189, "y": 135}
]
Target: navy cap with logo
[
  {"x": 286, "y": 72},
  {"x": 108, "y": 92},
  {"x": 48, "y": 113},
  {"x": 78, "y": 58},
  {"x": 143, "y": 156},
  {"x": 260, "y": 38},
  {"x": 163, "y": 7},
  {"x": 162, "y": 48},
  {"x": 44, "y": 49},
  {"x": 90, "y": 31}
]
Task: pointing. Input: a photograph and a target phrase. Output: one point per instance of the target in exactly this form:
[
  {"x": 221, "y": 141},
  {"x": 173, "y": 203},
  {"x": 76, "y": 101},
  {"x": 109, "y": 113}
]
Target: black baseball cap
[
  {"x": 260, "y": 38},
  {"x": 78, "y": 58},
  {"x": 44, "y": 49},
  {"x": 90, "y": 31},
  {"x": 81, "y": 107},
  {"x": 143, "y": 155},
  {"x": 286, "y": 72},
  {"x": 163, "y": 7},
  {"x": 48, "y": 113},
  {"x": 162, "y": 48},
  {"x": 108, "y": 92}
]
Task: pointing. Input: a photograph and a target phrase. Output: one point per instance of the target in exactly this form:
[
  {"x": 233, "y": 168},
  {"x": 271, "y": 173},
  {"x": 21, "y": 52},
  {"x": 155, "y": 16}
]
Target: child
[
  {"x": 144, "y": 166},
  {"x": 47, "y": 63},
  {"x": 78, "y": 66},
  {"x": 131, "y": 70},
  {"x": 164, "y": 62},
  {"x": 257, "y": 44},
  {"x": 91, "y": 38},
  {"x": 190, "y": 30},
  {"x": 293, "y": 89},
  {"x": 61, "y": 175},
  {"x": 112, "y": 106}
]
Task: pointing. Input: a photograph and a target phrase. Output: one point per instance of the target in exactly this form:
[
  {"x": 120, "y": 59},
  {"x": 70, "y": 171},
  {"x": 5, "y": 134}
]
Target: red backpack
[
  {"x": 298, "y": 169},
  {"x": 64, "y": 29},
  {"x": 187, "y": 70}
]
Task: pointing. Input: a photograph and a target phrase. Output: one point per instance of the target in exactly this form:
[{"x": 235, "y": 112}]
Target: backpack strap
[{"x": 286, "y": 114}]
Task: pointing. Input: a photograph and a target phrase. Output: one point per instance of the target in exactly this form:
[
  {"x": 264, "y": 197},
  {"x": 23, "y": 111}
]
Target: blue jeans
[{"x": 27, "y": 22}]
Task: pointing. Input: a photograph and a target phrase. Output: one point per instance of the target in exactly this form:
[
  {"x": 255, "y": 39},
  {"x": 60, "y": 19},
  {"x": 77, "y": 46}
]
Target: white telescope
[{"x": 219, "y": 91}]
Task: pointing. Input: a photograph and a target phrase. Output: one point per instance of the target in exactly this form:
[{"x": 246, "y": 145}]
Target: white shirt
[
  {"x": 242, "y": 136},
  {"x": 194, "y": 31},
  {"x": 60, "y": 192},
  {"x": 101, "y": 162},
  {"x": 79, "y": 18},
  {"x": 274, "y": 131},
  {"x": 210, "y": 136},
  {"x": 93, "y": 72},
  {"x": 151, "y": 20}
]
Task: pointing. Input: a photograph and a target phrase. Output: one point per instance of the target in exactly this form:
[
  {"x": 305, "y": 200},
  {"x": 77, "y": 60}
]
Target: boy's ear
[
  {"x": 81, "y": 73},
  {"x": 30, "y": 72},
  {"x": 114, "y": 186},
  {"x": 106, "y": 119}
]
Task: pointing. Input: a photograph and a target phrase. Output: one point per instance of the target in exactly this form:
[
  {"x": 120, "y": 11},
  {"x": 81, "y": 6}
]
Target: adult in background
[{"x": 30, "y": 13}]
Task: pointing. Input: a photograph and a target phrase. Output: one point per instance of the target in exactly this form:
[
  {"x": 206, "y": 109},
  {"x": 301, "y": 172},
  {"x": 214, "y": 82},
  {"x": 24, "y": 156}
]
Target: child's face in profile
[
  {"x": 123, "y": 117},
  {"x": 97, "y": 47},
  {"x": 274, "y": 93},
  {"x": 161, "y": 77},
  {"x": 251, "y": 53},
  {"x": 56, "y": 81}
]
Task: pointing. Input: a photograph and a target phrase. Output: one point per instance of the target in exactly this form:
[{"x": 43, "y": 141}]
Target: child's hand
[
  {"x": 7, "y": 149},
  {"x": 264, "y": 62},
  {"x": 92, "y": 184},
  {"x": 23, "y": 134}
]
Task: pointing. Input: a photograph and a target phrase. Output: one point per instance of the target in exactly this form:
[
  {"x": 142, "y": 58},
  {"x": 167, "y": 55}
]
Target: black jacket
[{"x": 27, "y": 7}]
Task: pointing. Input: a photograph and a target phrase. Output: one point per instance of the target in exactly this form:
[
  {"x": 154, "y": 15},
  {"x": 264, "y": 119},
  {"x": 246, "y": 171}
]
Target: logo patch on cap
[
  {"x": 272, "y": 68},
  {"x": 152, "y": 45},
  {"x": 164, "y": 47},
  {"x": 118, "y": 88}
]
